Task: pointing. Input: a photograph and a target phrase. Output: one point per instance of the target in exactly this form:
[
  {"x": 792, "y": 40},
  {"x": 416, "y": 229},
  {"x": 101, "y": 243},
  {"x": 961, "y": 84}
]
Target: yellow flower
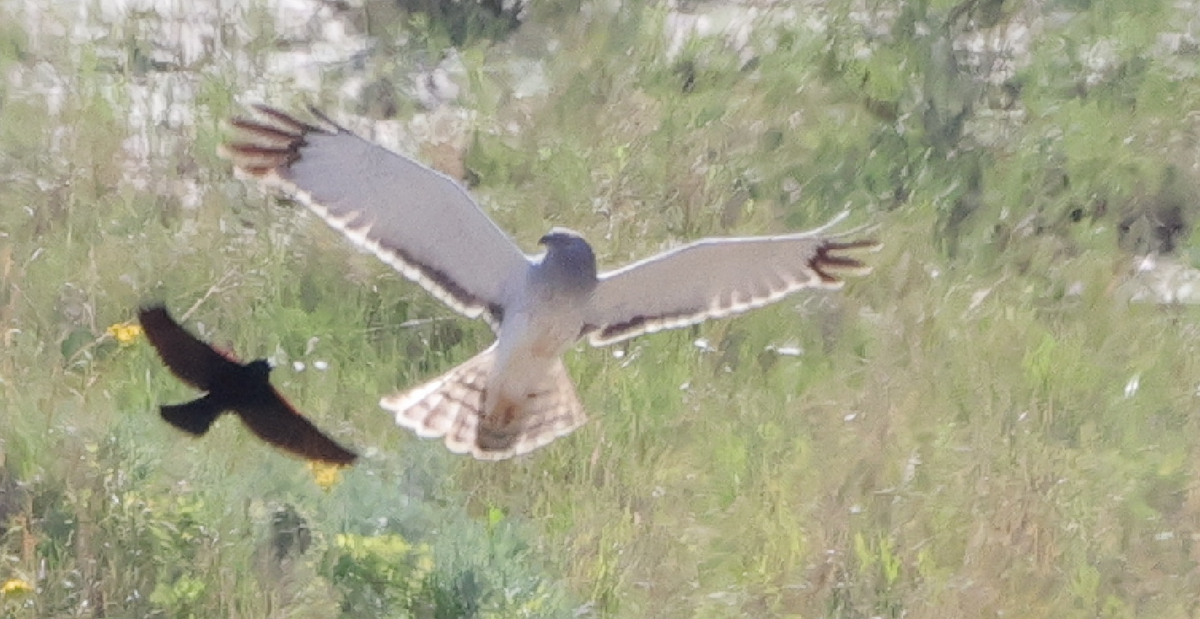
[
  {"x": 125, "y": 332},
  {"x": 15, "y": 587},
  {"x": 324, "y": 474}
]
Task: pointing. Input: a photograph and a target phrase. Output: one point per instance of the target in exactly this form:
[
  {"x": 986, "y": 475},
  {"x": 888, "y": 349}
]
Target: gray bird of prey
[{"x": 515, "y": 396}]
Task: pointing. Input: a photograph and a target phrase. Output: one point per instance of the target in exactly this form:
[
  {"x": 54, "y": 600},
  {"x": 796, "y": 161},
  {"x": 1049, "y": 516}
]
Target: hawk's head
[{"x": 566, "y": 251}]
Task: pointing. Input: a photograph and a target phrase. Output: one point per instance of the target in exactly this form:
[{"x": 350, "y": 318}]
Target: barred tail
[{"x": 452, "y": 406}]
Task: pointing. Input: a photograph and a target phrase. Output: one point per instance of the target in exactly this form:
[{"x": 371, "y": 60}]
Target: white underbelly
[{"x": 528, "y": 347}]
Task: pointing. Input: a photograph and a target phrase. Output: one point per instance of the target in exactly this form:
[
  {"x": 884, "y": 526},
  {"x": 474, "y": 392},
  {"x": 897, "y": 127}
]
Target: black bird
[{"x": 244, "y": 389}]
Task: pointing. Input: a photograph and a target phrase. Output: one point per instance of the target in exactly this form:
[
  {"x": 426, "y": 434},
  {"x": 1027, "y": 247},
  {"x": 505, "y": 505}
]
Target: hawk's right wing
[{"x": 414, "y": 218}]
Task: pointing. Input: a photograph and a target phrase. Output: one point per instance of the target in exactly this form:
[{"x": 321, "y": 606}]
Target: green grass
[{"x": 959, "y": 437}]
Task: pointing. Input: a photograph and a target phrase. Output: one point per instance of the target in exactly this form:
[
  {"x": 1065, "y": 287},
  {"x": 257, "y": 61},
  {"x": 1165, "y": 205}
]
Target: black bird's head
[
  {"x": 259, "y": 369},
  {"x": 567, "y": 251}
]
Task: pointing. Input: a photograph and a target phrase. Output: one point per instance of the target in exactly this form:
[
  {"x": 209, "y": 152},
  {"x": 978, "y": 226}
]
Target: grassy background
[{"x": 983, "y": 426}]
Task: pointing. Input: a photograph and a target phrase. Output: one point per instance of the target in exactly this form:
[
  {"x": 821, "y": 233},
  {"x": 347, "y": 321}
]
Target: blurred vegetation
[{"x": 985, "y": 425}]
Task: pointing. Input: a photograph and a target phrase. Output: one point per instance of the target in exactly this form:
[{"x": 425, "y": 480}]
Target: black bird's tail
[{"x": 194, "y": 417}]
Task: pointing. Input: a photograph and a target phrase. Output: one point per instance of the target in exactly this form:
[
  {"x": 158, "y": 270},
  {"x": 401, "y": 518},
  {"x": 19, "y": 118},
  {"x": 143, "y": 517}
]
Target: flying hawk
[{"x": 515, "y": 396}]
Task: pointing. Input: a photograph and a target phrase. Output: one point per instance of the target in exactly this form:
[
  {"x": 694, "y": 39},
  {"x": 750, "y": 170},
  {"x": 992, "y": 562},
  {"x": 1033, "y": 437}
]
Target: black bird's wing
[
  {"x": 193, "y": 361},
  {"x": 276, "y": 422}
]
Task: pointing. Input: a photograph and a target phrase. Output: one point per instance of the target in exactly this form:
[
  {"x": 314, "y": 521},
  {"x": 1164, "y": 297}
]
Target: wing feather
[
  {"x": 415, "y": 219},
  {"x": 188, "y": 358},
  {"x": 278, "y": 423},
  {"x": 717, "y": 277}
]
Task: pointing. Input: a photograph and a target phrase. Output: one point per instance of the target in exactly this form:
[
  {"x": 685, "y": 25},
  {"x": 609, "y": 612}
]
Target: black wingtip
[
  {"x": 312, "y": 109},
  {"x": 152, "y": 310},
  {"x": 345, "y": 458}
]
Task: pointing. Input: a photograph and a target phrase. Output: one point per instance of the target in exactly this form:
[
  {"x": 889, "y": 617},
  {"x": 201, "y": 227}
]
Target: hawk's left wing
[{"x": 716, "y": 277}]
